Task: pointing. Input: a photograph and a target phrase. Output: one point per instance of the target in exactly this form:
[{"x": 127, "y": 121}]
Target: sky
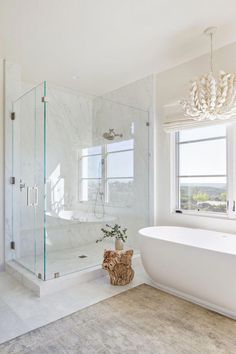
[{"x": 203, "y": 158}]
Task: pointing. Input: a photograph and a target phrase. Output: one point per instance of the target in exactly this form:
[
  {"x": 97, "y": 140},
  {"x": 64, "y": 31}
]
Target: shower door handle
[
  {"x": 30, "y": 196},
  {"x": 36, "y": 195}
]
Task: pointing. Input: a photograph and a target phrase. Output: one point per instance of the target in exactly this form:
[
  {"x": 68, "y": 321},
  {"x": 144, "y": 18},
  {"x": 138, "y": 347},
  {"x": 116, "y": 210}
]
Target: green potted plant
[{"x": 116, "y": 232}]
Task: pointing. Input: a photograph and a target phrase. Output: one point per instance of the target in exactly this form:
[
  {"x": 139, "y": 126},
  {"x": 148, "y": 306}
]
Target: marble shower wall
[{"x": 69, "y": 128}]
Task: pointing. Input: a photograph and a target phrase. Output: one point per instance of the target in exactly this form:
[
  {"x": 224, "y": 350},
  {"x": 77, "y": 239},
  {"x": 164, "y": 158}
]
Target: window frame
[
  {"x": 230, "y": 173},
  {"x": 107, "y": 179},
  {"x": 80, "y": 178},
  {"x": 104, "y": 173}
]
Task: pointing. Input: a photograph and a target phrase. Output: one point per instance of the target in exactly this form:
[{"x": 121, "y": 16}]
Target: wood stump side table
[{"x": 118, "y": 265}]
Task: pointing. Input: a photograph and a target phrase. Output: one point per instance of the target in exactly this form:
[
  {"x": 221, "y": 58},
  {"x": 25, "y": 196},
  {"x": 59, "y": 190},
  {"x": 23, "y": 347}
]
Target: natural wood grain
[{"x": 118, "y": 265}]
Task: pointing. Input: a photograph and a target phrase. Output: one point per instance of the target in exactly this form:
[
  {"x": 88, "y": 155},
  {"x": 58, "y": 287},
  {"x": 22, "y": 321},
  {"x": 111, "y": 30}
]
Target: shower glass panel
[
  {"x": 28, "y": 189},
  {"x": 93, "y": 178},
  {"x": 79, "y": 164}
]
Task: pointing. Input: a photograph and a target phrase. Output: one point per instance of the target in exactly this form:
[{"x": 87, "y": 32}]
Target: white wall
[
  {"x": 172, "y": 85},
  {"x": 1, "y": 165}
]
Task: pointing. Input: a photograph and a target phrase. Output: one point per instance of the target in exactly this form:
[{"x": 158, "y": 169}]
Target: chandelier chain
[{"x": 211, "y": 39}]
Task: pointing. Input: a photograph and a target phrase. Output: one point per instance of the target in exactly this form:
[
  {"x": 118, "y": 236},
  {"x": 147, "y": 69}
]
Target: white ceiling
[{"x": 108, "y": 43}]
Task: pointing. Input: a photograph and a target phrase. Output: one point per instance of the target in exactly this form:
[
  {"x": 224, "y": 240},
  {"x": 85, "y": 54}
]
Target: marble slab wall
[
  {"x": 71, "y": 114},
  {"x": 69, "y": 129}
]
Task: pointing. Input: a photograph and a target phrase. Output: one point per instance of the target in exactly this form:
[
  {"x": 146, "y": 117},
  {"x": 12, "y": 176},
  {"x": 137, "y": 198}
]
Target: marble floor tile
[{"x": 11, "y": 325}]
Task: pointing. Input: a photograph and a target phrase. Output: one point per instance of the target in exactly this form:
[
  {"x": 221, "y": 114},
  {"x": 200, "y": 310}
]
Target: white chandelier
[{"x": 211, "y": 97}]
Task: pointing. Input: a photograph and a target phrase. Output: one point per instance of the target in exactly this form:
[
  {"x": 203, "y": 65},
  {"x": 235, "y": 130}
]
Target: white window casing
[{"x": 230, "y": 175}]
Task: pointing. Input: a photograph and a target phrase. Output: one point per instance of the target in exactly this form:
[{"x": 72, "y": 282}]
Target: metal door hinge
[
  {"x": 13, "y": 115},
  {"x": 45, "y": 99},
  {"x": 147, "y": 124},
  {"x": 12, "y": 180},
  {"x": 12, "y": 245}
]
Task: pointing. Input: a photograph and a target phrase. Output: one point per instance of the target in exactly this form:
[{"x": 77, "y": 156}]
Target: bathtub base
[
  {"x": 195, "y": 300},
  {"x": 196, "y": 265}
]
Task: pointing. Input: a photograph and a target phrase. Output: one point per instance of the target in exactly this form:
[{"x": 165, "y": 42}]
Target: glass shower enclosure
[{"x": 79, "y": 163}]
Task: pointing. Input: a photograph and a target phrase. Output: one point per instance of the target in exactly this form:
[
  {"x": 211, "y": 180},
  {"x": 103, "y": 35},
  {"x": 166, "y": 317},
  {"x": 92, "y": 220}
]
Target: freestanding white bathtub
[{"x": 197, "y": 265}]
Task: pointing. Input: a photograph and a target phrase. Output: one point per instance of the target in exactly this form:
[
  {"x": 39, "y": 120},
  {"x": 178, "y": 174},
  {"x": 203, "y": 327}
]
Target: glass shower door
[{"x": 28, "y": 187}]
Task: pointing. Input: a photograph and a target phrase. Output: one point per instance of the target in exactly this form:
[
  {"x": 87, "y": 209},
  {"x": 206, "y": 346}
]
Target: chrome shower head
[
  {"x": 111, "y": 135},
  {"x": 108, "y": 136}
]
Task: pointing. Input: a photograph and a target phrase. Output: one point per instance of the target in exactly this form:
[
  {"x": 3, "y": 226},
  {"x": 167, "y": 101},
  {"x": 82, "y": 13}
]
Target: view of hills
[{"x": 204, "y": 196}]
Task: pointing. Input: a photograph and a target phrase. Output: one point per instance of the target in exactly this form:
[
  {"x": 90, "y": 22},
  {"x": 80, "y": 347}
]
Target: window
[
  {"x": 201, "y": 170},
  {"x": 108, "y": 171},
  {"x": 120, "y": 172},
  {"x": 91, "y": 172}
]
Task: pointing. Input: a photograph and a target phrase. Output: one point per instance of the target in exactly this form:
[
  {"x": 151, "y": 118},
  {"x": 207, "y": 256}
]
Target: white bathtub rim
[
  {"x": 205, "y": 249},
  {"x": 176, "y": 242},
  {"x": 197, "y": 301}
]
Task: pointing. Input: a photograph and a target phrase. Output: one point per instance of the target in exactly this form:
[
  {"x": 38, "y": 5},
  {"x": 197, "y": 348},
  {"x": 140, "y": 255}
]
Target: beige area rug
[{"x": 141, "y": 320}]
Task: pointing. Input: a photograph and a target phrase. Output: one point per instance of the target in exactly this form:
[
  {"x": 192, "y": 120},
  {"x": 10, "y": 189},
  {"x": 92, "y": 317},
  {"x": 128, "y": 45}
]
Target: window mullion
[{"x": 202, "y": 140}]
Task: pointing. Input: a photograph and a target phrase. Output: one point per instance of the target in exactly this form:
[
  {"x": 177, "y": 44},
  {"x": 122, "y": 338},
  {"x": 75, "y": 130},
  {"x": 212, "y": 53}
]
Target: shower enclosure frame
[
  {"x": 43, "y": 103},
  {"x": 15, "y": 180}
]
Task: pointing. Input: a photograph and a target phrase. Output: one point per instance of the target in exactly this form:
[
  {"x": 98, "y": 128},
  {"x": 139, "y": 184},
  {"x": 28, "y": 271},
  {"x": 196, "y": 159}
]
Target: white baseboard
[{"x": 195, "y": 300}]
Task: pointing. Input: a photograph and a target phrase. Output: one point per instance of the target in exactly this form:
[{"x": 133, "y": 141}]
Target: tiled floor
[
  {"x": 67, "y": 261},
  {"x": 22, "y": 311}
]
